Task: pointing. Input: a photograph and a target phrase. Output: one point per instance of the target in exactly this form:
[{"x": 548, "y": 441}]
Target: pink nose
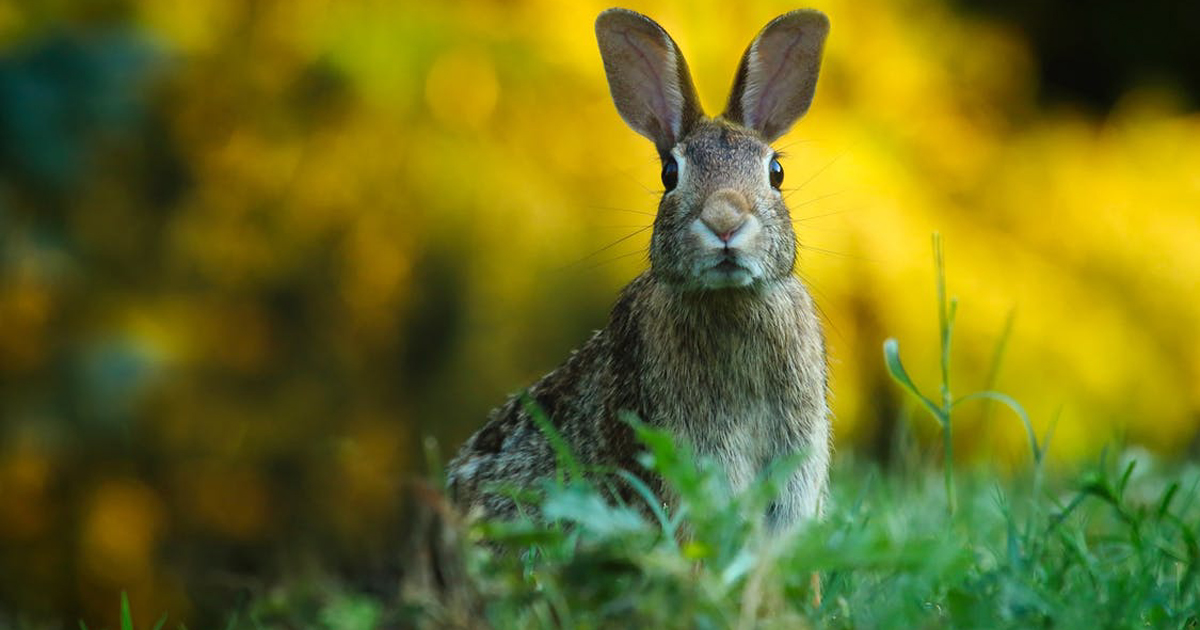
[
  {"x": 725, "y": 213},
  {"x": 722, "y": 229}
]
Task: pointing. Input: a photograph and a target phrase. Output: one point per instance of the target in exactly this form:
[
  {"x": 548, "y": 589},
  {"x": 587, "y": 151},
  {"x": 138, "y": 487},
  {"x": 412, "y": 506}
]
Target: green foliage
[
  {"x": 1112, "y": 546},
  {"x": 351, "y": 613}
]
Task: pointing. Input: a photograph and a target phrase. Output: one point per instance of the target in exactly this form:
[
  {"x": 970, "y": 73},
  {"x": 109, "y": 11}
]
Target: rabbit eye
[
  {"x": 776, "y": 172},
  {"x": 670, "y": 174}
]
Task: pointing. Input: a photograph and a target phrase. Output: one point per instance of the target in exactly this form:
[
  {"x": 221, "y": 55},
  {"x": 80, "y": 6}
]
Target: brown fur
[{"x": 718, "y": 343}]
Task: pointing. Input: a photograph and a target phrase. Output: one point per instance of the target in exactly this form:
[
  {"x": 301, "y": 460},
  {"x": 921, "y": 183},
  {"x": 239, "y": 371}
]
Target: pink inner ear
[
  {"x": 653, "y": 84},
  {"x": 779, "y": 73},
  {"x": 776, "y": 68}
]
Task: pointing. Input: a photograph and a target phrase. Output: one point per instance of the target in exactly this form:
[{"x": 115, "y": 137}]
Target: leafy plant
[{"x": 942, "y": 410}]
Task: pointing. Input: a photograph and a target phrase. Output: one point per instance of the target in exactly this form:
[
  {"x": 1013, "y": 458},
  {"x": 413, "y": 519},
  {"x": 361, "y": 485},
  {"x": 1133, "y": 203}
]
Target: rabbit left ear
[
  {"x": 777, "y": 77},
  {"x": 647, "y": 76}
]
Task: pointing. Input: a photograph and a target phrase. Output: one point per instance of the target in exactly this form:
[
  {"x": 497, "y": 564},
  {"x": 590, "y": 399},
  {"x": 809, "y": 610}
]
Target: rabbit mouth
[
  {"x": 728, "y": 265},
  {"x": 727, "y": 271}
]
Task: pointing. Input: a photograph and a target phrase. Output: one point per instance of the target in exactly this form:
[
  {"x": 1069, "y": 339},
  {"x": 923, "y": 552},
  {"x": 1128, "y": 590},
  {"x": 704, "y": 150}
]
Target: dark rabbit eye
[
  {"x": 670, "y": 174},
  {"x": 776, "y": 173}
]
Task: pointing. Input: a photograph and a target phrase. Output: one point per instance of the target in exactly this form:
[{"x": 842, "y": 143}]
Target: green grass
[
  {"x": 1111, "y": 545},
  {"x": 1114, "y": 547}
]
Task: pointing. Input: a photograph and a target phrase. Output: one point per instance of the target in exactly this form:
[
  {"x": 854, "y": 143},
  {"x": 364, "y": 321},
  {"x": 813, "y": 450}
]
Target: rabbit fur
[{"x": 718, "y": 343}]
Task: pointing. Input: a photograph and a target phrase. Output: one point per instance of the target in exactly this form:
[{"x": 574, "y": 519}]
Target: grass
[
  {"x": 943, "y": 411},
  {"x": 1112, "y": 545}
]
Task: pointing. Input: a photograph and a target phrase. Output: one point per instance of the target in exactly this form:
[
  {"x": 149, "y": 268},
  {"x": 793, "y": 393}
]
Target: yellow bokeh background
[{"x": 384, "y": 217}]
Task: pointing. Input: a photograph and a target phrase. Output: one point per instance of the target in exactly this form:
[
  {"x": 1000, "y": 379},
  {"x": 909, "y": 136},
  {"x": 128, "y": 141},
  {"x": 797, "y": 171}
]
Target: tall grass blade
[
  {"x": 126, "y": 616},
  {"x": 654, "y": 503},
  {"x": 998, "y": 352},
  {"x": 891, "y": 357},
  {"x": 562, "y": 450},
  {"x": 1017, "y": 409},
  {"x": 946, "y": 311}
]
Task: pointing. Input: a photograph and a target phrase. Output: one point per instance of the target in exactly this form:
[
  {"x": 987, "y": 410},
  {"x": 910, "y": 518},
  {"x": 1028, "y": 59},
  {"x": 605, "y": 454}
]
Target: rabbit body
[{"x": 718, "y": 342}]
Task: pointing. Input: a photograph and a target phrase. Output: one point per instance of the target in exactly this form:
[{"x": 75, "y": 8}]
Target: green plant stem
[
  {"x": 943, "y": 412},
  {"x": 946, "y": 311},
  {"x": 944, "y": 323},
  {"x": 947, "y": 468}
]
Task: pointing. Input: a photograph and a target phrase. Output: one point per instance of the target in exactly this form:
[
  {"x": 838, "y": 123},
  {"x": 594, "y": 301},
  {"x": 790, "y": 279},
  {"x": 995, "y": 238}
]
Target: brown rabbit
[{"x": 718, "y": 342}]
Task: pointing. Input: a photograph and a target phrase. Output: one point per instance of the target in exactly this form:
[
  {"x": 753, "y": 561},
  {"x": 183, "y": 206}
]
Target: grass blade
[
  {"x": 1016, "y": 407},
  {"x": 652, "y": 501},
  {"x": 891, "y": 357},
  {"x": 126, "y": 616},
  {"x": 998, "y": 352},
  {"x": 562, "y": 450}
]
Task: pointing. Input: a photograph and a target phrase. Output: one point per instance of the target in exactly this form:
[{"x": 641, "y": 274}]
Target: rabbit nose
[{"x": 724, "y": 213}]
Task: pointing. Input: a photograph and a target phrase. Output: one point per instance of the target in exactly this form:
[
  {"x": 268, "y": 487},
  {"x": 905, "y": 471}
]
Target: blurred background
[{"x": 253, "y": 253}]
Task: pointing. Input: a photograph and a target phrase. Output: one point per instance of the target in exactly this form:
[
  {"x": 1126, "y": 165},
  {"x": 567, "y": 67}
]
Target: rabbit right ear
[
  {"x": 778, "y": 74},
  {"x": 647, "y": 76}
]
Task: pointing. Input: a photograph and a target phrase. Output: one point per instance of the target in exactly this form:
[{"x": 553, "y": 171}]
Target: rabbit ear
[
  {"x": 778, "y": 75},
  {"x": 647, "y": 76}
]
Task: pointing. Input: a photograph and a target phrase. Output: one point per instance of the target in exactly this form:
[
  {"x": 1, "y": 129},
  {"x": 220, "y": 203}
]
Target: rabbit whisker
[
  {"x": 830, "y": 252},
  {"x": 644, "y": 251},
  {"x": 616, "y": 209},
  {"x": 606, "y": 247},
  {"x": 818, "y": 172},
  {"x": 818, "y": 216},
  {"x": 628, "y": 172},
  {"x": 811, "y": 284},
  {"x": 814, "y": 199},
  {"x": 783, "y": 150}
]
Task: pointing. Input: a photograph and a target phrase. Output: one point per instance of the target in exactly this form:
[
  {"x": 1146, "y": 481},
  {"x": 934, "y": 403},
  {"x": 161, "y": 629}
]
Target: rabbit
[{"x": 718, "y": 342}]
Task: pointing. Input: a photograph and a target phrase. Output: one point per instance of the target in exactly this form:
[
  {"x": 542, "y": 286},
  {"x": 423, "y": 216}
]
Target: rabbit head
[{"x": 722, "y": 221}]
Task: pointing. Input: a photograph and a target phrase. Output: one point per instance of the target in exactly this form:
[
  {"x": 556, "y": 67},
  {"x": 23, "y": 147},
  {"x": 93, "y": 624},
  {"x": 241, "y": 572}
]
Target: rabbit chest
[{"x": 740, "y": 375}]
